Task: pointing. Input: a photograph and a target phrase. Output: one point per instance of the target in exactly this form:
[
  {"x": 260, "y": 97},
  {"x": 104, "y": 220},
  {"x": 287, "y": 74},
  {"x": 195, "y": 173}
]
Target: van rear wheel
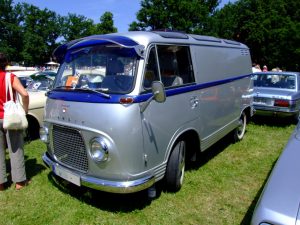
[
  {"x": 176, "y": 167},
  {"x": 239, "y": 132}
]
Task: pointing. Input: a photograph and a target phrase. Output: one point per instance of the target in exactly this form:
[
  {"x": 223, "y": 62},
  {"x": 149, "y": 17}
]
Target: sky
[{"x": 124, "y": 11}]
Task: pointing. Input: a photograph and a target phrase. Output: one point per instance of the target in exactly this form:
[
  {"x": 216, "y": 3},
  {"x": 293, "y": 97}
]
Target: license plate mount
[{"x": 65, "y": 174}]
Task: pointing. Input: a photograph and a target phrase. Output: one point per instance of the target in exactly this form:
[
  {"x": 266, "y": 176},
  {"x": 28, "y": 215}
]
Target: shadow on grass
[
  {"x": 33, "y": 168},
  {"x": 211, "y": 152},
  {"x": 103, "y": 200}
]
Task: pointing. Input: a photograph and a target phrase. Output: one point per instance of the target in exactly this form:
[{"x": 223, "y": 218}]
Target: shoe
[
  {"x": 2, "y": 187},
  {"x": 20, "y": 185}
]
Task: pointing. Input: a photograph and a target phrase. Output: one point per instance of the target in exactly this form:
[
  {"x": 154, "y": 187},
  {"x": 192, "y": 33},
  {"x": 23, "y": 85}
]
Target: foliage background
[
  {"x": 29, "y": 35},
  {"x": 270, "y": 28}
]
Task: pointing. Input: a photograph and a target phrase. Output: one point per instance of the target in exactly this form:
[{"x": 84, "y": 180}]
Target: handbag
[{"x": 14, "y": 113}]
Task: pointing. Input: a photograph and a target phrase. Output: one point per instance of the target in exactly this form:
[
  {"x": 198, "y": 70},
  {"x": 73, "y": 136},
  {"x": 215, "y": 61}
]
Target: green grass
[{"x": 221, "y": 189}]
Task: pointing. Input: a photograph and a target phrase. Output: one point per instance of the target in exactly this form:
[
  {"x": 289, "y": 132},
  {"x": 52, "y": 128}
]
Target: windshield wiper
[{"x": 98, "y": 91}]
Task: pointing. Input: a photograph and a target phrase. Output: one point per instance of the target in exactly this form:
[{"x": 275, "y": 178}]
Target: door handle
[{"x": 194, "y": 101}]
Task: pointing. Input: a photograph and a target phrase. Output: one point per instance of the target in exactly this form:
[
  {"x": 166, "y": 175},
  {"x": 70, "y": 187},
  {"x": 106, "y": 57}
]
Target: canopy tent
[{"x": 52, "y": 63}]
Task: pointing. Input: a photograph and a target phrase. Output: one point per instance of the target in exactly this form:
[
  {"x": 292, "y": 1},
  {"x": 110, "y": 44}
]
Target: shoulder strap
[{"x": 8, "y": 86}]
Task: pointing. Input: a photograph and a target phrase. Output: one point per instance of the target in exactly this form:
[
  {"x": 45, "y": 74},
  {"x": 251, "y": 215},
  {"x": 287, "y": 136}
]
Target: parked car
[
  {"x": 37, "y": 88},
  {"x": 27, "y": 79},
  {"x": 280, "y": 200},
  {"x": 49, "y": 73},
  {"x": 277, "y": 93}
]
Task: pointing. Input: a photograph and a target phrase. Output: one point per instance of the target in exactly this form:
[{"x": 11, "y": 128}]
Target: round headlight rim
[
  {"x": 103, "y": 150},
  {"x": 44, "y": 134}
]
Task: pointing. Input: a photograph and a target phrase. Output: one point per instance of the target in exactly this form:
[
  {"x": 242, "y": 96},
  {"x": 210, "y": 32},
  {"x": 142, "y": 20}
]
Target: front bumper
[{"x": 96, "y": 183}]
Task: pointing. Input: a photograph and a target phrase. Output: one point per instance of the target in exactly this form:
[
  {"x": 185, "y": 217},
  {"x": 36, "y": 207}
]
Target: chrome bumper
[
  {"x": 105, "y": 185},
  {"x": 274, "y": 112}
]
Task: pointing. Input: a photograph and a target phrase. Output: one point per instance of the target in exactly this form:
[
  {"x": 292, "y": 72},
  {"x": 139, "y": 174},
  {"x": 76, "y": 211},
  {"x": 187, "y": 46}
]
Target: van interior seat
[
  {"x": 172, "y": 80},
  {"x": 148, "y": 78}
]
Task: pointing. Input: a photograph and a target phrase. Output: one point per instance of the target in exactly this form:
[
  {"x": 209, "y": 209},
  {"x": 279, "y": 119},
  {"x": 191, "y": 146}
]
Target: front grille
[{"x": 69, "y": 148}]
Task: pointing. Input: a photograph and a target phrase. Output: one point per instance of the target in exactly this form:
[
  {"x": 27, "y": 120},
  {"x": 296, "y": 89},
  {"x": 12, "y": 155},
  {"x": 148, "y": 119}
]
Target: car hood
[
  {"x": 37, "y": 99},
  {"x": 279, "y": 201}
]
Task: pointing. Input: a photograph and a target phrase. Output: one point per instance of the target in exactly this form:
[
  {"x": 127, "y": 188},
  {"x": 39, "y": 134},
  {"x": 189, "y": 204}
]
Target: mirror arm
[
  {"x": 157, "y": 93},
  {"x": 145, "y": 104}
]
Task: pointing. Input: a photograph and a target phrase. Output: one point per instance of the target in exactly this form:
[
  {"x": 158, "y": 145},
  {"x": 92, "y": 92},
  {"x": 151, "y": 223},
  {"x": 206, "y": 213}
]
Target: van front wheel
[
  {"x": 239, "y": 132},
  {"x": 175, "y": 168}
]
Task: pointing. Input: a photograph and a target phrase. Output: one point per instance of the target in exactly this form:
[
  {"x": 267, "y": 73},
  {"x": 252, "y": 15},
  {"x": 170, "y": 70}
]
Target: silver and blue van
[{"x": 128, "y": 110}]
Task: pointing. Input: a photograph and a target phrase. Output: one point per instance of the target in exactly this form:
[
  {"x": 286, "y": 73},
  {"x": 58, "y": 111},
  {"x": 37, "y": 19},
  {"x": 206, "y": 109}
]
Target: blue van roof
[{"x": 60, "y": 52}]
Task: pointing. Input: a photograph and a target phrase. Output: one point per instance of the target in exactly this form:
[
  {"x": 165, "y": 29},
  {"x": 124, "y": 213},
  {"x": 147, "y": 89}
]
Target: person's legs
[
  {"x": 3, "y": 176},
  {"x": 15, "y": 144}
]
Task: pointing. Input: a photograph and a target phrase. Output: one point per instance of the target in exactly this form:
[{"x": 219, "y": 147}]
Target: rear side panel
[{"x": 225, "y": 89}]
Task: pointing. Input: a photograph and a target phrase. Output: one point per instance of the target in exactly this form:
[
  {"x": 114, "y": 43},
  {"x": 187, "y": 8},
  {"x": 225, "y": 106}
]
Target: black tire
[
  {"x": 239, "y": 132},
  {"x": 176, "y": 167},
  {"x": 33, "y": 131}
]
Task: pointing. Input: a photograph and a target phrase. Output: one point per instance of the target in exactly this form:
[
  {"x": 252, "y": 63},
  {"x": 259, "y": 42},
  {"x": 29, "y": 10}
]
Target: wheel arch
[
  {"x": 32, "y": 132},
  {"x": 249, "y": 112},
  {"x": 192, "y": 141}
]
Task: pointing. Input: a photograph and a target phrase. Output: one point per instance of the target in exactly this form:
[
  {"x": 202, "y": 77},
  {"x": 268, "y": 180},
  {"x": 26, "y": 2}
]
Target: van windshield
[{"x": 107, "y": 68}]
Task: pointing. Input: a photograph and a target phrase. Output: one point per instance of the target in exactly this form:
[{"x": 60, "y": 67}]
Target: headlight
[
  {"x": 44, "y": 134},
  {"x": 98, "y": 150}
]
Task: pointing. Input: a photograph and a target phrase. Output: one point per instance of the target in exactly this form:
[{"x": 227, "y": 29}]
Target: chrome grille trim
[{"x": 69, "y": 148}]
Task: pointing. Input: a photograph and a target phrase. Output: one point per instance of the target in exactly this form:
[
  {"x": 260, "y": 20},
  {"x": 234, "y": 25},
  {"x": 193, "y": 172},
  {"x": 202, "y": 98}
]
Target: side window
[
  {"x": 175, "y": 65},
  {"x": 151, "y": 71}
]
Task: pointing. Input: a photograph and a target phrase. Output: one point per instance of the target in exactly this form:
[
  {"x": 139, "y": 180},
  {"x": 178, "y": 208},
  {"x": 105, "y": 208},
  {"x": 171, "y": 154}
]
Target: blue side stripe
[{"x": 70, "y": 95}]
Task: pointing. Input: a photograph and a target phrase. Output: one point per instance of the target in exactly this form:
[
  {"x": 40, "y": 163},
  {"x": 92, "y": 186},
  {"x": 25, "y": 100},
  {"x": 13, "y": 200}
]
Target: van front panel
[{"x": 115, "y": 123}]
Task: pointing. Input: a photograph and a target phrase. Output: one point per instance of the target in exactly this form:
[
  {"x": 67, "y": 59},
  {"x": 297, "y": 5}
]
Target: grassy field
[{"x": 221, "y": 189}]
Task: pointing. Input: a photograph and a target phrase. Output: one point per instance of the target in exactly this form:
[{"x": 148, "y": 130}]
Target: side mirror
[
  {"x": 159, "y": 95},
  {"x": 158, "y": 91}
]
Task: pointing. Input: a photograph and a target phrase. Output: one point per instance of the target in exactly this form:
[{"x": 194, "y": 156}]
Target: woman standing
[{"x": 13, "y": 138}]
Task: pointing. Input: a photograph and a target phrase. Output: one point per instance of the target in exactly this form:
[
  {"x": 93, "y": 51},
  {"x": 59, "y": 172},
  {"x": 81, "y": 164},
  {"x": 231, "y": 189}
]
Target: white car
[{"x": 37, "y": 88}]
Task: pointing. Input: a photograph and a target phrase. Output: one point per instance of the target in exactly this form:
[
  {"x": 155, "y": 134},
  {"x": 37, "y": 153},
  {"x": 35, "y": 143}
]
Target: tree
[
  {"x": 106, "y": 24},
  {"x": 77, "y": 26},
  {"x": 10, "y": 30},
  {"x": 134, "y": 26},
  {"x": 223, "y": 22},
  {"x": 271, "y": 28},
  {"x": 185, "y": 15},
  {"x": 40, "y": 33},
  {"x": 29, "y": 34}
]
